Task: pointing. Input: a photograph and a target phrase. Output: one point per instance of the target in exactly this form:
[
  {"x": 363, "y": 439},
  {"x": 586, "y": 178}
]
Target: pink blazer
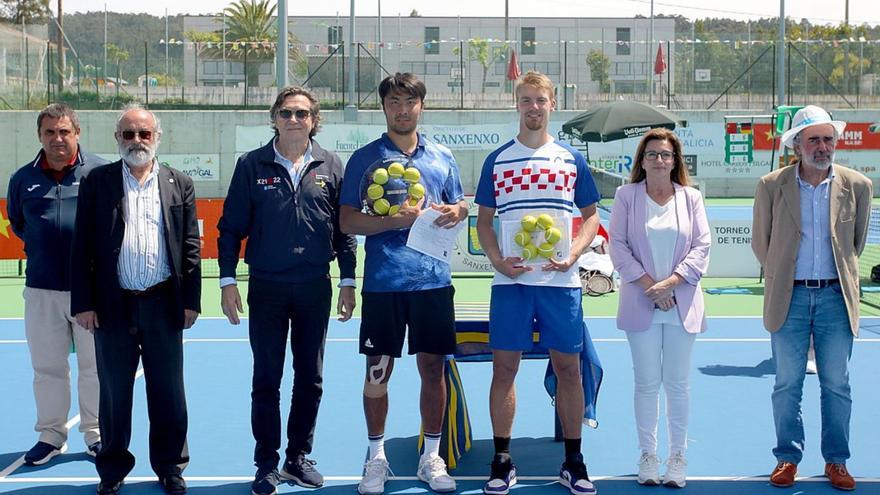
[{"x": 631, "y": 255}]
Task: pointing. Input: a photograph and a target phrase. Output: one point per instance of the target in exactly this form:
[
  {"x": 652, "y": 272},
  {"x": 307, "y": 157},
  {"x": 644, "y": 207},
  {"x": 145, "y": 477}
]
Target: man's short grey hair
[
  {"x": 137, "y": 106},
  {"x": 57, "y": 111}
]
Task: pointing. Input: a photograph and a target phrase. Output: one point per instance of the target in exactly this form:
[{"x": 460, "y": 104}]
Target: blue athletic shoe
[
  {"x": 42, "y": 452},
  {"x": 574, "y": 477},
  {"x": 502, "y": 477}
]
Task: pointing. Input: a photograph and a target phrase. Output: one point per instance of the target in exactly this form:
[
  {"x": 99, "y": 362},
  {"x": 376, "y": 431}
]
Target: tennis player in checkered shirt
[{"x": 534, "y": 175}]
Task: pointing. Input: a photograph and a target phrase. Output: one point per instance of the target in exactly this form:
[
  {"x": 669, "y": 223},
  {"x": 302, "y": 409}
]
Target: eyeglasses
[
  {"x": 145, "y": 135},
  {"x": 286, "y": 113},
  {"x": 663, "y": 155}
]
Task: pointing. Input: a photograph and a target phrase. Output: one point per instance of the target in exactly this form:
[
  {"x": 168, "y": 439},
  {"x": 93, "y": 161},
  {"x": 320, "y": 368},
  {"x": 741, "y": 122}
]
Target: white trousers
[
  {"x": 50, "y": 331},
  {"x": 661, "y": 355}
]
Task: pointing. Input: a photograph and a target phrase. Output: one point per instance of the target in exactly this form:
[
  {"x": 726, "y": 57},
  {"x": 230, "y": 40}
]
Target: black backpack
[{"x": 875, "y": 274}]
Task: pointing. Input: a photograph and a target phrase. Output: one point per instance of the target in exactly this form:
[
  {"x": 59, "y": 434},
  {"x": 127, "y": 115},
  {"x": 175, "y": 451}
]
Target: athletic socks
[
  {"x": 502, "y": 445},
  {"x": 572, "y": 450},
  {"x": 432, "y": 444},
  {"x": 377, "y": 446}
]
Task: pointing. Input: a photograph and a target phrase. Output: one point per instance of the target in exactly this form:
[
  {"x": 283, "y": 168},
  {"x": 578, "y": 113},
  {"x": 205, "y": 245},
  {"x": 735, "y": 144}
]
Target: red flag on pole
[
  {"x": 659, "y": 61},
  {"x": 513, "y": 71}
]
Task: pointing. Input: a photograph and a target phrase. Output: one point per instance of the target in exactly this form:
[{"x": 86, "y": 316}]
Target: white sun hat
[{"x": 809, "y": 116}]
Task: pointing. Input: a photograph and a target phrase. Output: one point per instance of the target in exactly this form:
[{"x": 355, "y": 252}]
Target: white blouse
[{"x": 662, "y": 230}]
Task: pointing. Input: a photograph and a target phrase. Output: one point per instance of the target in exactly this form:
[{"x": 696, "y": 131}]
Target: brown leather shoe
[
  {"x": 783, "y": 475},
  {"x": 840, "y": 477}
]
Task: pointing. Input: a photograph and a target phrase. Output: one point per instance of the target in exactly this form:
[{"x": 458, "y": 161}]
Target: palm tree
[{"x": 251, "y": 35}]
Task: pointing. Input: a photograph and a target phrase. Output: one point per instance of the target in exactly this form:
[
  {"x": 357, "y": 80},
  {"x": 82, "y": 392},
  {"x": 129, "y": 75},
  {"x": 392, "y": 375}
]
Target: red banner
[
  {"x": 856, "y": 137},
  {"x": 208, "y": 210}
]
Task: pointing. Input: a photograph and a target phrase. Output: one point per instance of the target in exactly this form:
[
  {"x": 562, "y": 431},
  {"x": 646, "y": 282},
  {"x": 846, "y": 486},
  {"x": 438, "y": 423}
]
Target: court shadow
[
  {"x": 873, "y": 328},
  {"x": 10, "y": 457},
  {"x": 736, "y": 290},
  {"x": 760, "y": 370},
  {"x": 227, "y": 489},
  {"x": 533, "y": 456},
  {"x": 7, "y": 459},
  {"x": 55, "y": 490}
]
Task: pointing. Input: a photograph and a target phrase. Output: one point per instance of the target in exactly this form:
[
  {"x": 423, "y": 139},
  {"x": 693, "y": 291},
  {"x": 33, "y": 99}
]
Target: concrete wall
[{"x": 214, "y": 132}]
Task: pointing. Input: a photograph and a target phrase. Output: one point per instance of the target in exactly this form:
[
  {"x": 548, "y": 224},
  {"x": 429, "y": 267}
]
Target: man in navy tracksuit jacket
[
  {"x": 41, "y": 206},
  {"x": 284, "y": 198}
]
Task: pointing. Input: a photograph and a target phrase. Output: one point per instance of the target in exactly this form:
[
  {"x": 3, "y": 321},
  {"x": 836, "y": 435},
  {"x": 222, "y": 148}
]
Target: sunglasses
[
  {"x": 286, "y": 113},
  {"x": 144, "y": 135}
]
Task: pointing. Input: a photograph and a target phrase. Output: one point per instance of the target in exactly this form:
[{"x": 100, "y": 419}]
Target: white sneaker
[
  {"x": 375, "y": 474},
  {"x": 676, "y": 468},
  {"x": 649, "y": 469},
  {"x": 432, "y": 470}
]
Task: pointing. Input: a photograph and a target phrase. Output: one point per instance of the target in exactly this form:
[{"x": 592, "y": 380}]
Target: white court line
[
  {"x": 135, "y": 479},
  {"x": 69, "y": 425}
]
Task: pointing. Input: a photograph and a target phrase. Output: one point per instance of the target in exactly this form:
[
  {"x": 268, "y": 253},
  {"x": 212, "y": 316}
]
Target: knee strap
[{"x": 376, "y": 383}]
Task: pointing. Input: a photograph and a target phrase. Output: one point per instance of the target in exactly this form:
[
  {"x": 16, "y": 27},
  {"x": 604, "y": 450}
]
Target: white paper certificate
[{"x": 429, "y": 239}]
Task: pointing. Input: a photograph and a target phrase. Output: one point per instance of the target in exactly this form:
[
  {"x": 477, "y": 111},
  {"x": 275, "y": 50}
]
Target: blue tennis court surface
[{"x": 731, "y": 431}]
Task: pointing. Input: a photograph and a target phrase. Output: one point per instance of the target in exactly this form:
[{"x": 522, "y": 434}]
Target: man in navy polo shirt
[
  {"x": 402, "y": 287},
  {"x": 41, "y": 205}
]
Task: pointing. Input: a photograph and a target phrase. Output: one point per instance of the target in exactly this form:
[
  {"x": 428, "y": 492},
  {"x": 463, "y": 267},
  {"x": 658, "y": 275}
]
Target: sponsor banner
[
  {"x": 344, "y": 139},
  {"x": 857, "y": 137},
  {"x": 203, "y": 167},
  {"x": 731, "y": 254},
  {"x": 200, "y": 168},
  {"x": 731, "y": 242},
  {"x": 208, "y": 211},
  {"x": 470, "y": 137}
]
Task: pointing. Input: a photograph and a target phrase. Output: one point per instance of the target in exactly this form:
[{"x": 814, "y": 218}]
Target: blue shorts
[{"x": 516, "y": 311}]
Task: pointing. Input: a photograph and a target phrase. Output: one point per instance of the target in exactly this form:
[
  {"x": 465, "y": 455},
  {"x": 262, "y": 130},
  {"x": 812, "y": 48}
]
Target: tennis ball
[
  {"x": 416, "y": 191},
  {"x": 381, "y": 206},
  {"x": 545, "y": 221},
  {"x": 380, "y": 176},
  {"x": 529, "y": 252},
  {"x": 546, "y": 250},
  {"x": 552, "y": 235},
  {"x": 522, "y": 238},
  {"x": 412, "y": 202},
  {"x": 393, "y": 210},
  {"x": 528, "y": 223},
  {"x": 412, "y": 175},
  {"x": 375, "y": 191},
  {"x": 395, "y": 170}
]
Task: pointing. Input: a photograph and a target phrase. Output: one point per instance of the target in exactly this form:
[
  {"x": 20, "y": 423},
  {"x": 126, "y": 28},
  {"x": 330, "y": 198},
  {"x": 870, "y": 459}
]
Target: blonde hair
[{"x": 536, "y": 80}]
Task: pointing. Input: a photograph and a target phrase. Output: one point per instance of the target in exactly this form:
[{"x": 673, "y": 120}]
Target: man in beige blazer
[{"x": 810, "y": 225}]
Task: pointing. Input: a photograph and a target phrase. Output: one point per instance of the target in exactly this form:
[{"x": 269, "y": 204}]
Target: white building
[{"x": 432, "y": 48}]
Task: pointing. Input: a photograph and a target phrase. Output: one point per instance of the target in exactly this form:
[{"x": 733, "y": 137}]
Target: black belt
[
  {"x": 817, "y": 283},
  {"x": 149, "y": 290}
]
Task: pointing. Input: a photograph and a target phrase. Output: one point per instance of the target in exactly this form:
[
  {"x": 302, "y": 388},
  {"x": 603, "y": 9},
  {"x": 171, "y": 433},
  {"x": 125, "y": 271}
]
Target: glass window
[
  {"x": 527, "y": 44},
  {"x": 623, "y": 68},
  {"x": 334, "y": 35},
  {"x": 432, "y": 37},
  {"x": 209, "y": 68},
  {"x": 623, "y": 39},
  {"x": 236, "y": 68}
]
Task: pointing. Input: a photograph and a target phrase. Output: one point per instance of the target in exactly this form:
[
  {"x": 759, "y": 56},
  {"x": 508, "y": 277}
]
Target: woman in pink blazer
[{"x": 660, "y": 247}]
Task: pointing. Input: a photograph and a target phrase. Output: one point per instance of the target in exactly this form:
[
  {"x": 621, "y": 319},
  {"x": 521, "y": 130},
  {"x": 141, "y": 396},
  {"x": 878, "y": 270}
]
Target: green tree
[
  {"x": 27, "y": 11},
  {"x": 118, "y": 56},
  {"x": 251, "y": 34},
  {"x": 599, "y": 64},
  {"x": 480, "y": 51}
]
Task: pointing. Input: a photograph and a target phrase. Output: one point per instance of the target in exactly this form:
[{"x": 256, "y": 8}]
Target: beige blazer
[{"x": 776, "y": 233}]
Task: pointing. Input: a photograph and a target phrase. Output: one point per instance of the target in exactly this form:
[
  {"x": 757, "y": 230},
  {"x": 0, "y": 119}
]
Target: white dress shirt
[{"x": 143, "y": 257}]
